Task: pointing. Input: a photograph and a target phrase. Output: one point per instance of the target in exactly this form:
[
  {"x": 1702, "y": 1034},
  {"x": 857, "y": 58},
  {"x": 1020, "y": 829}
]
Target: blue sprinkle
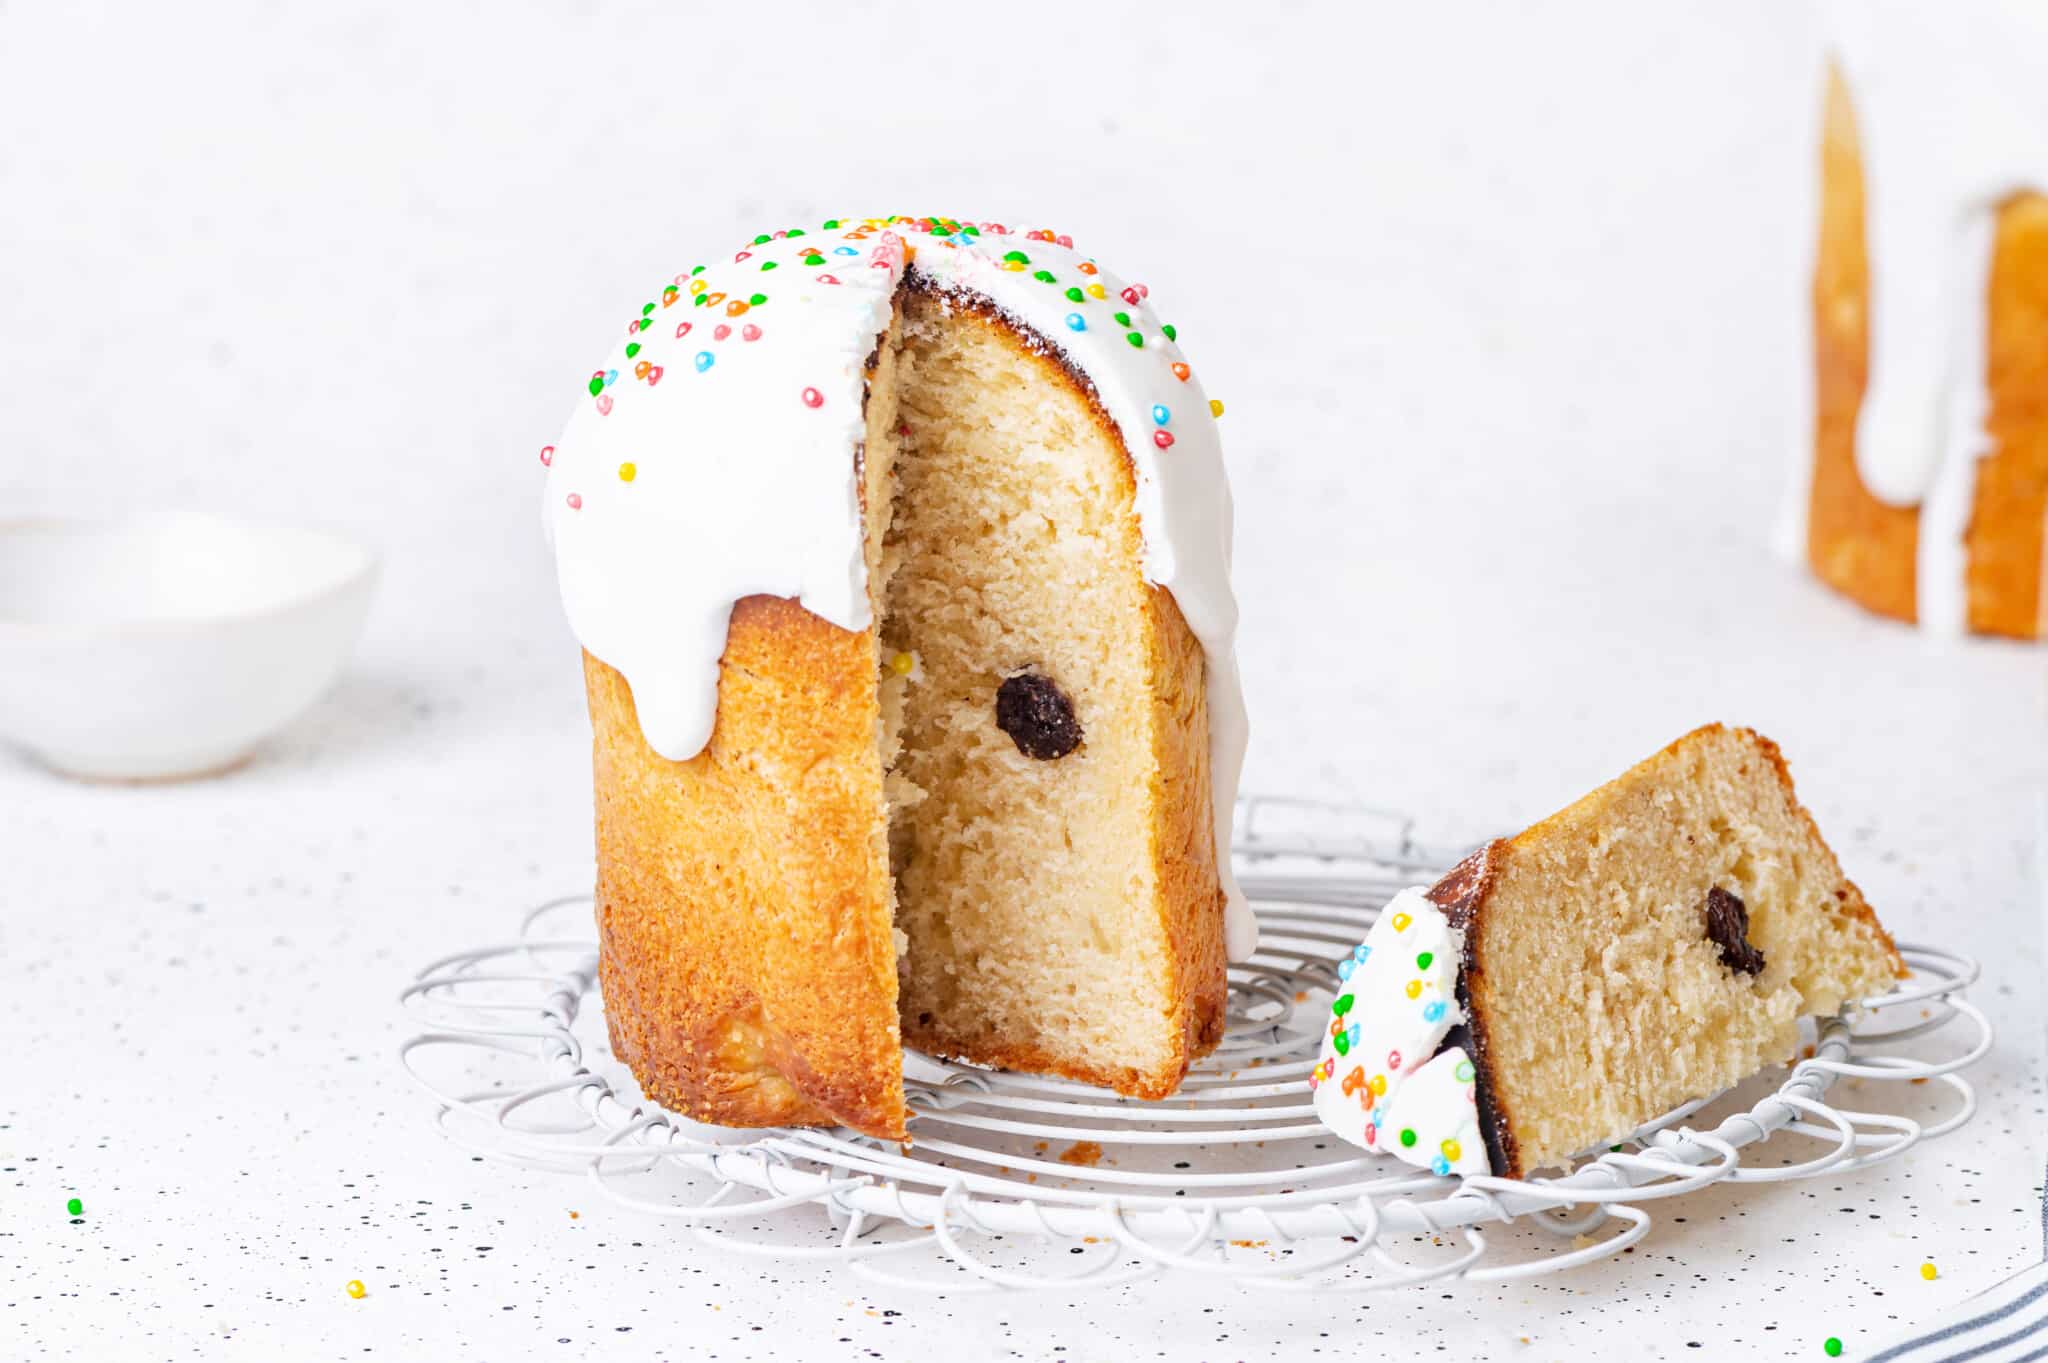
[
  {"x": 844, "y": 251},
  {"x": 1441, "y": 1165},
  {"x": 1354, "y": 1034},
  {"x": 1160, "y": 416},
  {"x": 1434, "y": 1012},
  {"x": 1362, "y": 952},
  {"x": 611, "y": 376},
  {"x": 1345, "y": 967},
  {"x": 705, "y": 359},
  {"x": 1076, "y": 322}
]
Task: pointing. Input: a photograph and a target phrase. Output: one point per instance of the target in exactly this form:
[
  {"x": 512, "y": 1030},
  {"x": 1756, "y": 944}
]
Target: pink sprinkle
[
  {"x": 654, "y": 376},
  {"x": 604, "y": 404},
  {"x": 682, "y": 330},
  {"x": 1064, "y": 240},
  {"x": 575, "y": 501},
  {"x": 547, "y": 454},
  {"x": 750, "y": 332},
  {"x": 720, "y": 332},
  {"x": 828, "y": 279},
  {"x": 1163, "y": 439},
  {"x": 1131, "y": 296},
  {"x": 1394, "y": 1060},
  {"x": 813, "y": 398},
  {"x": 1143, "y": 292},
  {"x": 744, "y": 255}
]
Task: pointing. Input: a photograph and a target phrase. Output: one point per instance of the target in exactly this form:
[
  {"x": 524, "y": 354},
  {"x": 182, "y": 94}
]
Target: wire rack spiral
[{"x": 1023, "y": 1182}]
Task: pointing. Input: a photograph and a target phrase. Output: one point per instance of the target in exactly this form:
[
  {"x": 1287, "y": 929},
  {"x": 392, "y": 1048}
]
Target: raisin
[
  {"x": 1037, "y": 716},
  {"x": 1728, "y": 928}
]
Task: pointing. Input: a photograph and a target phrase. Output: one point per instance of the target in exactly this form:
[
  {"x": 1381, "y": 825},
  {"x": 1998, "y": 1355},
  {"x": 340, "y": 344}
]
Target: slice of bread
[{"x": 1655, "y": 942}]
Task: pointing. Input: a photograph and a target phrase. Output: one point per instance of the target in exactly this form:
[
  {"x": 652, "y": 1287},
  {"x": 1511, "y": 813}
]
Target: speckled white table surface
[{"x": 1502, "y": 313}]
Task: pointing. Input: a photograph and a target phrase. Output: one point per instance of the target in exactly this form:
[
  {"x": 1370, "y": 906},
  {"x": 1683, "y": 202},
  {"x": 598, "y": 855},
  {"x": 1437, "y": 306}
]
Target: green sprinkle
[
  {"x": 761, "y": 240},
  {"x": 1832, "y": 1348},
  {"x": 1407, "y": 1135},
  {"x": 1464, "y": 1071},
  {"x": 940, "y": 229},
  {"x": 1134, "y": 338},
  {"x": 796, "y": 231},
  {"x": 697, "y": 301},
  {"x": 75, "y": 1207},
  {"x": 1075, "y": 295},
  {"x": 596, "y": 384},
  {"x": 814, "y": 260},
  {"x": 1171, "y": 334},
  {"x": 1123, "y": 319},
  {"x": 1422, "y": 961},
  {"x": 831, "y": 224},
  {"x": 1017, "y": 256},
  {"x": 971, "y": 230},
  {"x": 767, "y": 265},
  {"x": 698, "y": 270},
  {"x": 647, "y": 310},
  {"x": 1342, "y": 1005},
  {"x": 1044, "y": 276},
  {"x": 1341, "y": 1044},
  {"x": 632, "y": 349},
  {"x": 756, "y": 300}
]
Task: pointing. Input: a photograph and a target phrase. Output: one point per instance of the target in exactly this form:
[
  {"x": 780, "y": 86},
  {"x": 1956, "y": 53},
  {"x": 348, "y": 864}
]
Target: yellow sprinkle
[
  {"x": 1452, "y": 1150},
  {"x": 627, "y": 472},
  {"x": 1415, "y": 989},
  {"x": 1401, "y": 922},
  {"x": 1016, "y": 266},
  {"x": 1378, "y": 1085},
  {"x": 1927, "y": 1271},
  {"x": 698, "y": 286},
  {"x": 355, "y": 1288},
  {"x": 1215, "y": 406},
  {"x": 901, "y": 664},
  {"x": 1097, "y": 291}
]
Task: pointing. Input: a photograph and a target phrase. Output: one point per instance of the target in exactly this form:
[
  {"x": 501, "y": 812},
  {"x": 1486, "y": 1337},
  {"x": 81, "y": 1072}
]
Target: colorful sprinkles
[
  {"x": 728, "y": 295},
  {"x": 354, "y": 1287}
]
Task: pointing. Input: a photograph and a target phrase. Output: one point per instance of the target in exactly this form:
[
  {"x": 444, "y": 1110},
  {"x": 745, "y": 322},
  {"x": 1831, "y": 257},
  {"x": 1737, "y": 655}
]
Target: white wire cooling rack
[{"x": 1023, "y": 1182}]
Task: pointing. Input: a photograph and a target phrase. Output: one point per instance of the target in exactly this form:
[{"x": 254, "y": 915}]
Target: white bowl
[{"x": 170, "y": 644}]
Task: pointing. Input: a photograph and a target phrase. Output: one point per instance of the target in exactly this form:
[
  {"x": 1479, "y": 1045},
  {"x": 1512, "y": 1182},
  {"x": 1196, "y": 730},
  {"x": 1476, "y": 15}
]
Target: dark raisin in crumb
[
  {"x": 1728, "y": 929},
  {"x": 1037, "y": 716}
]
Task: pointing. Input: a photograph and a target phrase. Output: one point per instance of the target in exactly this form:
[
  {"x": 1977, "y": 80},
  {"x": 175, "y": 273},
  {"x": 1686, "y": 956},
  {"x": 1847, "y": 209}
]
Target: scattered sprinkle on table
[
  {"x": 77, "y": 1208},
  {"x": 355, "y": 1288},
  {"x": 1928, "y": 1271},
  {"x": 1833, "y": 1347}
]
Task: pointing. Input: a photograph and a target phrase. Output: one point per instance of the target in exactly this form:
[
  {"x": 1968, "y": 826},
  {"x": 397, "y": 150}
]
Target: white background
[{"x": 1503, "y": 307}]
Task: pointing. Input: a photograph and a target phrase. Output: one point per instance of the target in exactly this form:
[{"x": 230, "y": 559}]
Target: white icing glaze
[
  {"x": 1952, "y": 116},
  {"x": 1381, "y": 1081},
  {"x": 743, "y": 476}
]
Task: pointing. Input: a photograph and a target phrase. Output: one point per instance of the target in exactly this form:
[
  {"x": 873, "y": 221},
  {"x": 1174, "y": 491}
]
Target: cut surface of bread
[
  {"x": 982, "y": 826},
  {"x": 1056, "y": 897},
  {"x": 1655, "y": 942}
]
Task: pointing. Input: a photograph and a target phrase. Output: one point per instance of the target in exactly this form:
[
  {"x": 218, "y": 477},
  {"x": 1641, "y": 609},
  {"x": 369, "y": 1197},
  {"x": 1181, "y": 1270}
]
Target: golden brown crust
[
  {"x": 2005, "y": 535},
  {"x": 748, "y": 967},
  {"x": 1863, "y": 546},
  {"x": 1465, "y": 893}
]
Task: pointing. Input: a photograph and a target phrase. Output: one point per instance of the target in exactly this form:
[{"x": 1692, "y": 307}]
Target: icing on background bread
[{"x": 714, "y": 456}]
